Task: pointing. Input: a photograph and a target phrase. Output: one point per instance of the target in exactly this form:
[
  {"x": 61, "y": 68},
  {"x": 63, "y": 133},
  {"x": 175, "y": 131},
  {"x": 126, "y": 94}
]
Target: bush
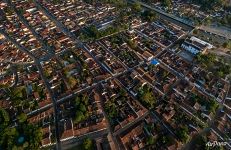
[
  {"x": 81, "y": 102},
  {"x": 146, "y": 96},
  {"x": 87, "y": 144},
  {"x": 149, "y": 15},
  {"x": 182, "y": 133}
]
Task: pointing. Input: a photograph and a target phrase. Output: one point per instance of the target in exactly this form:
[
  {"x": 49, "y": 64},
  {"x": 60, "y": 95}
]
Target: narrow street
[{"x": 50, "y": 74}]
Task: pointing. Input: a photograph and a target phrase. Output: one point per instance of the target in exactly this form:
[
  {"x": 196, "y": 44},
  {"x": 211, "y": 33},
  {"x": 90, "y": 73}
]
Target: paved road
[
  {"x": 163, "y": 123},
  {"x": 39, "y": 67},
  {"x": 124, "y": 65},
  {"x": 216, "y": 31},
  {"x": 71, "y": 142},
  {"x": 46, "y": 48},
  {"x": 19, "y": 46},
  {"x": 54, "y": 19},
  {"x": 118, "y": 132},
  {"x": 207, "y": 31},
  {"x": 167, "y": 16},
  {"x": 219, "y": 52},
  {"x": 111, "y": 139},
  {"x": 37, "y": 62},
  {"x": 79, "y": 43},
  {"x": 56, "y": 120},
  {"x": 63, "y": 99},
  {"x": 190, "y": 144},
  {"x": 14, "y": 64}
]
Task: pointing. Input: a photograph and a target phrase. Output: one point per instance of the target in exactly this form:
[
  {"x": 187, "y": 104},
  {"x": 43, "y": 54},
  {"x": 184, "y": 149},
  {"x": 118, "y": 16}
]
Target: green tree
[
  {"x": 225, "y": 44},
  {"x": 208, "y": 21},
  {"x": 111, "y": 109},
  {"x": 78, "y": 116},
  {"x": 167, "y": 3},
  {"x": 87, "y": 144},
  {"x": 132, "y": 44},
  {"x": 22, "y": 117},
  {"x": 195, "y": 31},
  {"x": 10, "y": 135},
  {"x": 146, "y": 96},
  {"x": 72, "y": 82},
  {"x": 150, "y": 140},
  {"x": 85, "y": 99},
  {"x": 82, "y": 107},
  {"x": 122, "y": 92},
  {"x": 136, "y": 7},
  {"x": 212, "y": 106},
  {"x": 200, "y": 142},
  {"x": 33, "y": 135},
  {"x": 7, "y": 138},
  {"x": 55, "y": 2},
  {"x": 182, "y": 133},
  {"x": 77, "y": 101},
  {"x": 149, "y": 15},
  {"x": 4, "y": 118}
]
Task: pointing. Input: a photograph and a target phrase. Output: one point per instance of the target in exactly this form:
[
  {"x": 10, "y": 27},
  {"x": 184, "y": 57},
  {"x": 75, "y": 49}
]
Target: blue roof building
[{"x": 154, "y": 62}]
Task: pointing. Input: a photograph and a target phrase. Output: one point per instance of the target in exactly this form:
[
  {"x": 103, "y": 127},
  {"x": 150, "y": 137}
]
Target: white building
[{"x": 195, "y": 45}]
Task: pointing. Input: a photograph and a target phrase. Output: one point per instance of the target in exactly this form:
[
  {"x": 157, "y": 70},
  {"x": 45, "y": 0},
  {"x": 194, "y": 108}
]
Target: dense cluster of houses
[{"x": 97, "y": 87}]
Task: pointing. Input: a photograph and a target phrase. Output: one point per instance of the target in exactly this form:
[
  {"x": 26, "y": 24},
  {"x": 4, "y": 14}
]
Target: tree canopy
[
  {"x": 145, "y": 95},
  {"x": 150, "y": 140},
  {"x": 4, "y": 118},
  {"x": 209, "y": 4},
  {"x": 217, "y": 67},
  {"x": 167, "y": 3},
  {"x": 22, "y": 117},
  {"x": 22, "y": 136},
  {"x": 149, "y": 15},
  {"x": 81, "y": 102},
  {"x": 136, "y": 7},
  {"x": 87, "y": 144},
  {"x": 182, "y": 133}
]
